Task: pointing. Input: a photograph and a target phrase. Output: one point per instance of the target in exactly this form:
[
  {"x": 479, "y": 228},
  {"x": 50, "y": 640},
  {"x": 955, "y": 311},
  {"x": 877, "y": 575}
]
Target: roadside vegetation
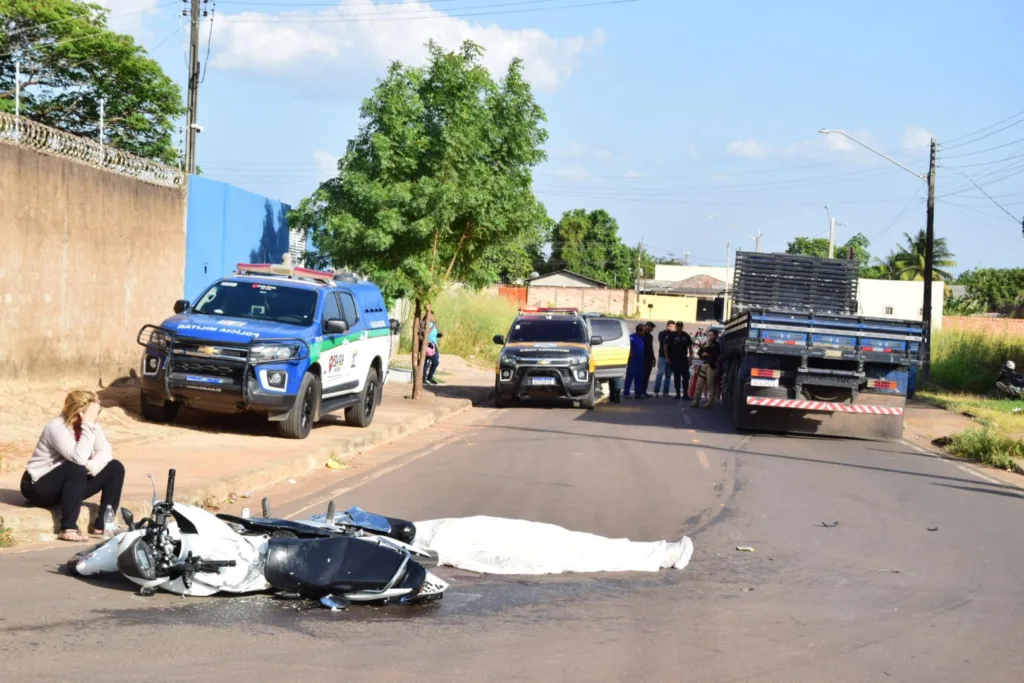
[
  {"x": 469, "y": 321},
  {"x": 6, "y": 537},
  {"x": 964, "y": 369}
]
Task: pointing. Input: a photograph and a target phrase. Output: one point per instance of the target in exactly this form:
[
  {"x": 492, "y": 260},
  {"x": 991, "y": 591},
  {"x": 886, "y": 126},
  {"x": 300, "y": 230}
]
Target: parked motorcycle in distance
[
  {"x": 185, "y": 550},
  {"x": 1010, "y": 383}
]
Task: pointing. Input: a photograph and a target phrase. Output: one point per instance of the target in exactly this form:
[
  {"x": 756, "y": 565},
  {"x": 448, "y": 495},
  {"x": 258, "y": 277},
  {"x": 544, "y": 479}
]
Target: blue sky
[{"x": 660, "y": 111}]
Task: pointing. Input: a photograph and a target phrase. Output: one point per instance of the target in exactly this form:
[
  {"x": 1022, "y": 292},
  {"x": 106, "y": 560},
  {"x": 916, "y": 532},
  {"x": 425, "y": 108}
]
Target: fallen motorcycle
[
  {"x": 185, "y": 550},
  {"x": 1010, "y": 382}
]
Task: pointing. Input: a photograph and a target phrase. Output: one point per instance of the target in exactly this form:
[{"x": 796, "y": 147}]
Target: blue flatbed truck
[{"x": 798, "y": 359}]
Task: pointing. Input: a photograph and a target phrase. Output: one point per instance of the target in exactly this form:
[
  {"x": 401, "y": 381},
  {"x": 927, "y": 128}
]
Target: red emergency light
[
  {"x": 287, "y": 271},
  {"x": 549, "y": 310}
]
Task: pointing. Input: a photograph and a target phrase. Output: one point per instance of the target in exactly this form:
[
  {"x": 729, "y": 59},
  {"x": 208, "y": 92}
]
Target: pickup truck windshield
[
  {"x": 547, "y": 331},
  {"x": 258, "y": 301}
]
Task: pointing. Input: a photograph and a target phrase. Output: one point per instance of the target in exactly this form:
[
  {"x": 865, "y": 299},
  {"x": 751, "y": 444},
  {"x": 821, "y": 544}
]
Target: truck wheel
[
  {"x": 165, "y": 411},
  {"x": 361, "y": 414},
  {"x": 499, "y": 400},
  {"x": 739, "y": 408},
  {"x": 299, "y": 422},
  {"x": 590, "y": 399}
]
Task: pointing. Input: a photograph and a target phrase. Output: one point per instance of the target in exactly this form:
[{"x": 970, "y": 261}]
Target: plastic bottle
[{"x": 108, "y": 522}]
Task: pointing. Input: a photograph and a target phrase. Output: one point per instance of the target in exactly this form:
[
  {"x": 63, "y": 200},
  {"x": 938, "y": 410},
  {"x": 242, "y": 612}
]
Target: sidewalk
[{"x": 215, "y": 456}]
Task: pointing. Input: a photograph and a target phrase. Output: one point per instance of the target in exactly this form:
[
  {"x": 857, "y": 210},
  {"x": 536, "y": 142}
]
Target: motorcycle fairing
[{"x": 340, "y": 565}]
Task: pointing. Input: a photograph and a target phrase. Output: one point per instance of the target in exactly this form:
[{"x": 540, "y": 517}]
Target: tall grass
[
  {"x": 469, "y": 321},
  {"x": 970, "y": 361}
]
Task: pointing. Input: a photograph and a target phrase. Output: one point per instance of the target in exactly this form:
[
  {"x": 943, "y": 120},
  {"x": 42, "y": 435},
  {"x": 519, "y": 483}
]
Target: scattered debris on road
[
  {"x": 828, "y": 526},
  {"x": 745, "y": 548},
  {"x": 889, "y": 571},
  {"x": 933, "y": 528}
]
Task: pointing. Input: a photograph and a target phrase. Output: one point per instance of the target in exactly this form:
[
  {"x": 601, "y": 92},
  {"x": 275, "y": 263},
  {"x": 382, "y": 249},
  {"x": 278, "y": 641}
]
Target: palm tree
[
  {"x": 882, "y": 269},
  {"x": 908, "y": 262}
]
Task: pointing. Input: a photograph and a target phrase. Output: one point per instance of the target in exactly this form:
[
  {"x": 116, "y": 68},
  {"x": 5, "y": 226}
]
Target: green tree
[
  {"x": 588, "y": 243},
  {"x": 70, "y": 62},
  {"x": 908, "y": 262},
  {"x": 818, "y": 246},
  {"x": 436, "y": 185},
  {"x": 995, "y": 288}
]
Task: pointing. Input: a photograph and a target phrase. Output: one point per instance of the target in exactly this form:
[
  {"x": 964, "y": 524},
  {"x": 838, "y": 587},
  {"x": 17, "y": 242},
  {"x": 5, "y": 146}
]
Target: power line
[
  {"x": 986, "y": 135},
  {"x": 1001, "y": 207},
  {"x": 982, "y": 151},
  {"x": 209, "y": 40},
  {"x": 156, "y": 47},
  {"x": 982, "y": 130},
  {"x": 898, "y": 217},
  {"x": 29, "y": 27},
  {"x": 989, "y": 163}
]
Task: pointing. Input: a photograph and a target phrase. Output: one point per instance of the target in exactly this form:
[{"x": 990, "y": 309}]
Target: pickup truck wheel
[
  {"x": 361, "y": 414},
  {"x": 299, "y": 422},
  {"x": 588, "y": 401},
  {"x": 165, "y": 411},
  {"x": 499, "y": 400}
]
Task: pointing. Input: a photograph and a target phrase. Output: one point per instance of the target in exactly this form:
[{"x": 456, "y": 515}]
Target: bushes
[
  {"x": 469, "y": 321},
  {"x": 987, "y": 445},
  {"x": 970, "y": 361}
]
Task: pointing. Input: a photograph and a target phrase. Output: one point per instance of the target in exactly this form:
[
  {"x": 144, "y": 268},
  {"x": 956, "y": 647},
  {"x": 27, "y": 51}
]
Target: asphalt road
[{"x": 879, "y": 597}]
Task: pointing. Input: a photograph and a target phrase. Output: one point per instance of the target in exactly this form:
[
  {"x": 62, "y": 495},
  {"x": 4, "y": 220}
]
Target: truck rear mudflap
[{"x": 872, "y": 417}]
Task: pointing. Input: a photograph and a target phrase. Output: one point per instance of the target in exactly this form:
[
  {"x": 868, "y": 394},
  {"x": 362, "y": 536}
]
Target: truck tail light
[
  {"x": 882, "y": 384},
  {"x": 762, "y": 372}
]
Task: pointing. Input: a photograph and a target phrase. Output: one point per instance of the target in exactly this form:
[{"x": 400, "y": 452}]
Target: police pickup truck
[{"x": 288, "y": 342}]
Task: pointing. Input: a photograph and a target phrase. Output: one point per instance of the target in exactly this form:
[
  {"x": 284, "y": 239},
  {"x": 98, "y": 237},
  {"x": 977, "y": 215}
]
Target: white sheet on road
[{"x": 495, "y": 545}]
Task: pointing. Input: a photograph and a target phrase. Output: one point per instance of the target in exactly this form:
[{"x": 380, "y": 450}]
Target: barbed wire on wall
[{"x": 35, "y": 136}]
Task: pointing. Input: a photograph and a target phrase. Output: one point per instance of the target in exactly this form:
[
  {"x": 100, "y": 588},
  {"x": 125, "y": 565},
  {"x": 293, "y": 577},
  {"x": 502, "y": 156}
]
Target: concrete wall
[
  {"x": 618, "y": 302},
  {"x": 994, "y": 326},
  {"x": 228, "y": 226},
  {"x": 88, "y": 257},
  {"x": 677, "y": 273},
  {"x": 661, "y": 307},
  {"x": 904, "y": 298}
]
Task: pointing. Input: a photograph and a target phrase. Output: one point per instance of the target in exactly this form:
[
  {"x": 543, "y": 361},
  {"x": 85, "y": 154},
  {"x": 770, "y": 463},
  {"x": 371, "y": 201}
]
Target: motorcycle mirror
[
  {"x": 128, "y": 517},
  {"x": 334, "y": 603}
]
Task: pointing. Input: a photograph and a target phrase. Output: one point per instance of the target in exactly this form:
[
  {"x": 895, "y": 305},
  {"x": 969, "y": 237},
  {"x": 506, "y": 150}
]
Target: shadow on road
[{"x": 977, "y": 489}]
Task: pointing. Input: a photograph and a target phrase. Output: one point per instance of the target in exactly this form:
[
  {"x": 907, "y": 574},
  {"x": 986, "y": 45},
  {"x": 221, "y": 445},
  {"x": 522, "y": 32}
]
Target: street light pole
[
  {"x": 757, "y": 239},
  {"x": 926, "y": 307}
]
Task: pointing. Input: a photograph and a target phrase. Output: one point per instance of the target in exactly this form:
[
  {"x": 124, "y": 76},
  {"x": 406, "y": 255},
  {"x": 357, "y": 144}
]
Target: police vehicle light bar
[
  {"x": 549, "y": 310},
  {"x": 287, "y": 271}
]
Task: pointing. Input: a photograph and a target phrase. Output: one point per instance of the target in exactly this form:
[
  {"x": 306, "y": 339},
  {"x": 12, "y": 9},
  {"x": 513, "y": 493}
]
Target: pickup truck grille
[{"x": 198, "y": 358}]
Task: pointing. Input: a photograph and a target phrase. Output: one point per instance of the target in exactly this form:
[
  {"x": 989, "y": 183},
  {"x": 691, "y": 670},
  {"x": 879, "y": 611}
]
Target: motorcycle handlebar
[{"x": 169, "y": 498}]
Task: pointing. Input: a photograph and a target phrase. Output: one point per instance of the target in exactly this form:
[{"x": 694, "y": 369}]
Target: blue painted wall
[{"x": 227, "y": 226}]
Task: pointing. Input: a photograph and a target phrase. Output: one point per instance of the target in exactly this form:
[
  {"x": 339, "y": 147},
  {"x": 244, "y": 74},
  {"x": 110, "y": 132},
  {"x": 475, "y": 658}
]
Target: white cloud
[
  {"x": 583, "y": 152},
  {"x": 691, "y": 151},
  {"x": 324, "y": 49},
  {"x": 574, "y": 172},
  {"x": 129, "y": 16},
  {"x": 632, "y": 174},
  {"x": 748, "y": 149},
  {"x": 916, "y": 138},
  {"x": 326, "y": 163}
]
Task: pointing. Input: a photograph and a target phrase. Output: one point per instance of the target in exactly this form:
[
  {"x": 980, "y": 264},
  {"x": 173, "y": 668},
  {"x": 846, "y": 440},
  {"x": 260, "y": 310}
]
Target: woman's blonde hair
[{"x": 75, "y": 402}]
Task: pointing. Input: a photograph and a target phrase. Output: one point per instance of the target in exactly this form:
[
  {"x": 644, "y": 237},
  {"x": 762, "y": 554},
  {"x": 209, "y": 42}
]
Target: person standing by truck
[
  {"x": 649, "y": 357},
  {"x": 664, "y": 376},
  {"x": 679, "y": 354},
  {"x": 707, "y": 377},
  {"x": 432, "y": 359}
]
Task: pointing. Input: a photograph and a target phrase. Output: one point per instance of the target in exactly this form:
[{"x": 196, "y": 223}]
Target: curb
[{"x": 32, "y": 524}]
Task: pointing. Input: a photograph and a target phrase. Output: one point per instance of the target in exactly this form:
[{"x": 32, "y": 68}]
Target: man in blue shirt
[{"x": 635, "y": 366}]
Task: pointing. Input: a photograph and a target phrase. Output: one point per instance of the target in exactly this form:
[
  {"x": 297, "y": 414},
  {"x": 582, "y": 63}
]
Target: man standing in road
[
  {"x": 680, "y": 353},
  {"x": 664, "y": 376},
  {"x": 649, "y": 357},
  {"x": 635, "y": 365},
  {"x": 707, "y": 376}
]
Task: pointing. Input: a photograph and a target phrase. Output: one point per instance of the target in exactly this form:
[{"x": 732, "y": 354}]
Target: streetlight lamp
[
  {"x": 926, "y": 308},
  {"x": 757, "y": 240}
]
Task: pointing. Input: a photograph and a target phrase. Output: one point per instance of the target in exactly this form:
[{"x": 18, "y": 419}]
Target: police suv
[
  {"x": 289, "y": 342},
  {"x": 546, "y": 354}
]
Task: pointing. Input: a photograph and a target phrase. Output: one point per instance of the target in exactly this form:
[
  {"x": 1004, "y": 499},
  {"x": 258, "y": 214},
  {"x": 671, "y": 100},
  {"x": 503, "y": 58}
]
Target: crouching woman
[{"x": 73, "y": 461}]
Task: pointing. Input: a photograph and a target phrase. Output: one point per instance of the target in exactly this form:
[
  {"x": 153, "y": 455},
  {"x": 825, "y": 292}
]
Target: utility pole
[
  {"x": 725, "y": 298},
  {"x": 17, "y": 89},
  {"x": 757, "y": 242},
  {"x": 926, "y": 345},
  {"x": 193, "y": 89},
  {"x": 831, "y": 236},
  {"x": 103, "y": 104},
  {"x": 639, "y": 258}
]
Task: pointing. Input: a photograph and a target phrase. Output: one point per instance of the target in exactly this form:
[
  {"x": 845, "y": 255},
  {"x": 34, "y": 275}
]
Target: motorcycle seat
[{"x": 314, "y": 567}]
